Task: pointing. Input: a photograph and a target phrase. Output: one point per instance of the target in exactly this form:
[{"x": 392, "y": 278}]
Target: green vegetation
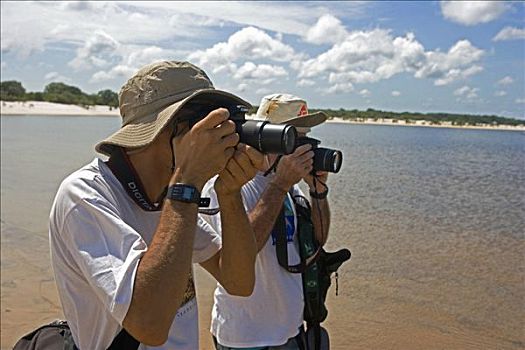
[
  {"x": 410, "y": 118},
  {"x": 58, "y": 93}
]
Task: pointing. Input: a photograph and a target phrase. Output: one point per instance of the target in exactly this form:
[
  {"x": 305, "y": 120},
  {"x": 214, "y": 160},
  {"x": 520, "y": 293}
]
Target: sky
[{"x": 429, "y": 56}]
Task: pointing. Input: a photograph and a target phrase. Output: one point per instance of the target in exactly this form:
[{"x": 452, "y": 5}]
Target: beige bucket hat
[
  {"x": 289, "y": 109},
  {"x": 150, "y": 100}
]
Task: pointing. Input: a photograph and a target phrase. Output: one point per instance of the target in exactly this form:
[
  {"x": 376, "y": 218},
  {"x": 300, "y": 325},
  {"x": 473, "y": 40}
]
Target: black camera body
[
  {"x": 325, "y": 159},
  {"x": 265, "y": 136}
]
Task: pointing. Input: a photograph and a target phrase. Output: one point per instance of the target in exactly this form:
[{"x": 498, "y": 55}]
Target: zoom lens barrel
[
  {"x": 326, "y": 159},
  {"x": 267, "y": 137}
]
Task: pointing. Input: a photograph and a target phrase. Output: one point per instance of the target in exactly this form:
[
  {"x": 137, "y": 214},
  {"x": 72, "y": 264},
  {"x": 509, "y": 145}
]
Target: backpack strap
[{"x": 281, "y": 244}]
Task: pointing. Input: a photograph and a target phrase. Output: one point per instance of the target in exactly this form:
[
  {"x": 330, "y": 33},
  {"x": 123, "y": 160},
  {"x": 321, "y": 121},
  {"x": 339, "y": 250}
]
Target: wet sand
[{"x": 370, "y": 312}]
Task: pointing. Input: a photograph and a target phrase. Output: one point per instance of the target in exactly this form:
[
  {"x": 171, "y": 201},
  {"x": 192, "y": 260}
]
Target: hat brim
[
  {"x": 308, "y": 120},
  {"x": 133, "y": 136}
]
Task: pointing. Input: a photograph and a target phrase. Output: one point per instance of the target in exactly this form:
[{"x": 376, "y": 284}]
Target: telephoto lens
[
  {"x": 325, "y": 159},
  {"x": 265, "y": 136}
]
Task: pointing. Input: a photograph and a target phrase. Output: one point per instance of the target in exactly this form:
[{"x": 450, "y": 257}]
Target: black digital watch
[{"x": 187, "y": 194}]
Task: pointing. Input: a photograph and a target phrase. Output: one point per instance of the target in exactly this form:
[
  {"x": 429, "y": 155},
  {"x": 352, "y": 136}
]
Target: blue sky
[{"x": 434, "y": 56}]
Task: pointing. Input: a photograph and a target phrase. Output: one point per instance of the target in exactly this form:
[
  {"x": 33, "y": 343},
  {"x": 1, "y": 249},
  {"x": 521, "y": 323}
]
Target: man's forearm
[
  {"x": 162, "y": 274},
  {"x": 237, "y": 261},
  {"x": 263, "y": 216},
  {"x": 321, "y": 219}
]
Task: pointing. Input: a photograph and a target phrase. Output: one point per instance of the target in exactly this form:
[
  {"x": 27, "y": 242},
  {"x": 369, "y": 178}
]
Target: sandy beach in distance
[{"x": 48, "y": 108}]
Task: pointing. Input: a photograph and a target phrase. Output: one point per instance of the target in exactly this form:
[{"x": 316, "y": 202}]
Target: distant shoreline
[
  {"x": 424, "y": 123},
  {"x": 39, "y": 108}
]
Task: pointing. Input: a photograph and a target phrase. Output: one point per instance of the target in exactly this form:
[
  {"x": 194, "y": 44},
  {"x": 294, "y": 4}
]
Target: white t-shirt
[
  {"x": 274, "y": 311},
  {"x": 97, "y": 236}
]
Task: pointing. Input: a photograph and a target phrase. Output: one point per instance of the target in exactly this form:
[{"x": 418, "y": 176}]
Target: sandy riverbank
[{"x": 48, "y": 108}]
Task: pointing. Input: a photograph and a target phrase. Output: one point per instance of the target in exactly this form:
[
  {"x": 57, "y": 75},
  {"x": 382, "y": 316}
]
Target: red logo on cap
[{"x": 303, "y": 111}]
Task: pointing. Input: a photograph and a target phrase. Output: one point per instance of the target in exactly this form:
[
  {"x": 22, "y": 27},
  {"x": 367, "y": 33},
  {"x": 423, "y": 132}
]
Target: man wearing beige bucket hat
[
  {"x": 272, "y": 317},
  {"x": 124, "y": 232}
]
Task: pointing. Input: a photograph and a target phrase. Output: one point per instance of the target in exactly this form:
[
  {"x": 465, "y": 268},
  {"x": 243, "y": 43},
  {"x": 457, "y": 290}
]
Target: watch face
[{"x": 187, "y": 193}]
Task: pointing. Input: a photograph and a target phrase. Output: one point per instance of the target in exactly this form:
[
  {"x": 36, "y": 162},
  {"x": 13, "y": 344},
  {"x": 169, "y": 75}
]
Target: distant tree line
[
  {"x": 62, "y": 93},
  {"x": 59, "y": 93},
  {"x": 410, "y": 117}
]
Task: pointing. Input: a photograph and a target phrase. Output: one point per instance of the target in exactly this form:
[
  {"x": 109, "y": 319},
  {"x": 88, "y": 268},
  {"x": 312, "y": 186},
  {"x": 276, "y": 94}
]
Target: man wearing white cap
[
  {"x": 272, "y": 317},
  {"x": 124, "y": 232}
]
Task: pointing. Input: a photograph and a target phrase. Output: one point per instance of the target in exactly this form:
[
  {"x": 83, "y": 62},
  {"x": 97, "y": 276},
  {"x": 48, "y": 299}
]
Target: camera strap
[
  {"x": 273, "y": 168},
  {"x": 305, "y": 231},
  {"x": 124, "y": 171}
]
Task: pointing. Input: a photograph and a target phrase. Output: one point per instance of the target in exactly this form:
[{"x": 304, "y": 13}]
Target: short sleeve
[
  {"x": 214, "y": 221},
  {"x": 107, "y": 251},
  {"x": 207, "y": 241}
]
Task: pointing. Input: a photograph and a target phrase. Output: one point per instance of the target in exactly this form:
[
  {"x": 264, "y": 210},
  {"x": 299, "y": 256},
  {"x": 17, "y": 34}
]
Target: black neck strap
[{"x": 125, "y": 173}]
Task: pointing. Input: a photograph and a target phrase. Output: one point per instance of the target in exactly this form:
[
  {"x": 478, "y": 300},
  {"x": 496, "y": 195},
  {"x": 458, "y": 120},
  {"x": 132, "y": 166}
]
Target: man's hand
[
  {"x": 294, "y": 167},
  {"x": 205, "y": 149},
  {"x": 240, "y": 169},
  {"x": 321, "y": 178}
]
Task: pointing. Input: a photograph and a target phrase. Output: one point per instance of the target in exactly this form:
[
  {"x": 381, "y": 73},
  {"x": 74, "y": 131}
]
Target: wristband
[
  {"x": 187, "y": 194},
  {"x": 321, "y": 195}
]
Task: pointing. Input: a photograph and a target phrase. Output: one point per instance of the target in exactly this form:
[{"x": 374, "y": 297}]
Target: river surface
[{"x": 434, "y": 217}]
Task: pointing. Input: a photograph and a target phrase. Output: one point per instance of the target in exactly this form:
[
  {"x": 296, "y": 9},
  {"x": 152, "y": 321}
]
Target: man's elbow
[
  {"x": 240, "y": 289},
  {"x": 150, "y": 334}
]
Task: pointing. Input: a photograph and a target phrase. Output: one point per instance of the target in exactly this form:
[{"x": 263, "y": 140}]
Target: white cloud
[
  {"x": 248, "y": 43},
  {"x": 396, "y": 93},
  {"x": 457, "y": 63},
  {"x": 242, "y": 87},
  {"x": 263, "y": 91},
  {"x": 305, "y": 82},
  {"x": 457, "y": 74},
  {"x": 505, "y": 81},
  {"x": 510, "y": 33},
  {"x": 340, "y": 88},
  {"x": 129, "y": 59},
  {"x": 500, "y": 93},
  {"x": 3, "y": 65},
  {"x": 370, "y": 56},
  {"x": 327, "y": 30},
  {"x": 466, "y": 92},
  {"x": 472, "y": 12},
  {"x": 72, "y": 23},
  {"x": 97, "y": 51},
  {"x": 367, "y": 56},
  {"x": 262, "y": 73},
  {"x": 56, "y": 77},
  {"x": 520, "y": 100},
  {"x": 365, "y": 93}
]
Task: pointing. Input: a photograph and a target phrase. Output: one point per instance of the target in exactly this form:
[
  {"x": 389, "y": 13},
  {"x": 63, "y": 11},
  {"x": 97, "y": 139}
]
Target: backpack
[
  {"x": 316, "y": 268},
  {"x": 57, "y": 336},
  {"x": 53, "y": 336}
]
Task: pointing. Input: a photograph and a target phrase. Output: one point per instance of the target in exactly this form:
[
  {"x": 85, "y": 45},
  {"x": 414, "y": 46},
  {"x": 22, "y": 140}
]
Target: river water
[{"x": 434, "y": 217}]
